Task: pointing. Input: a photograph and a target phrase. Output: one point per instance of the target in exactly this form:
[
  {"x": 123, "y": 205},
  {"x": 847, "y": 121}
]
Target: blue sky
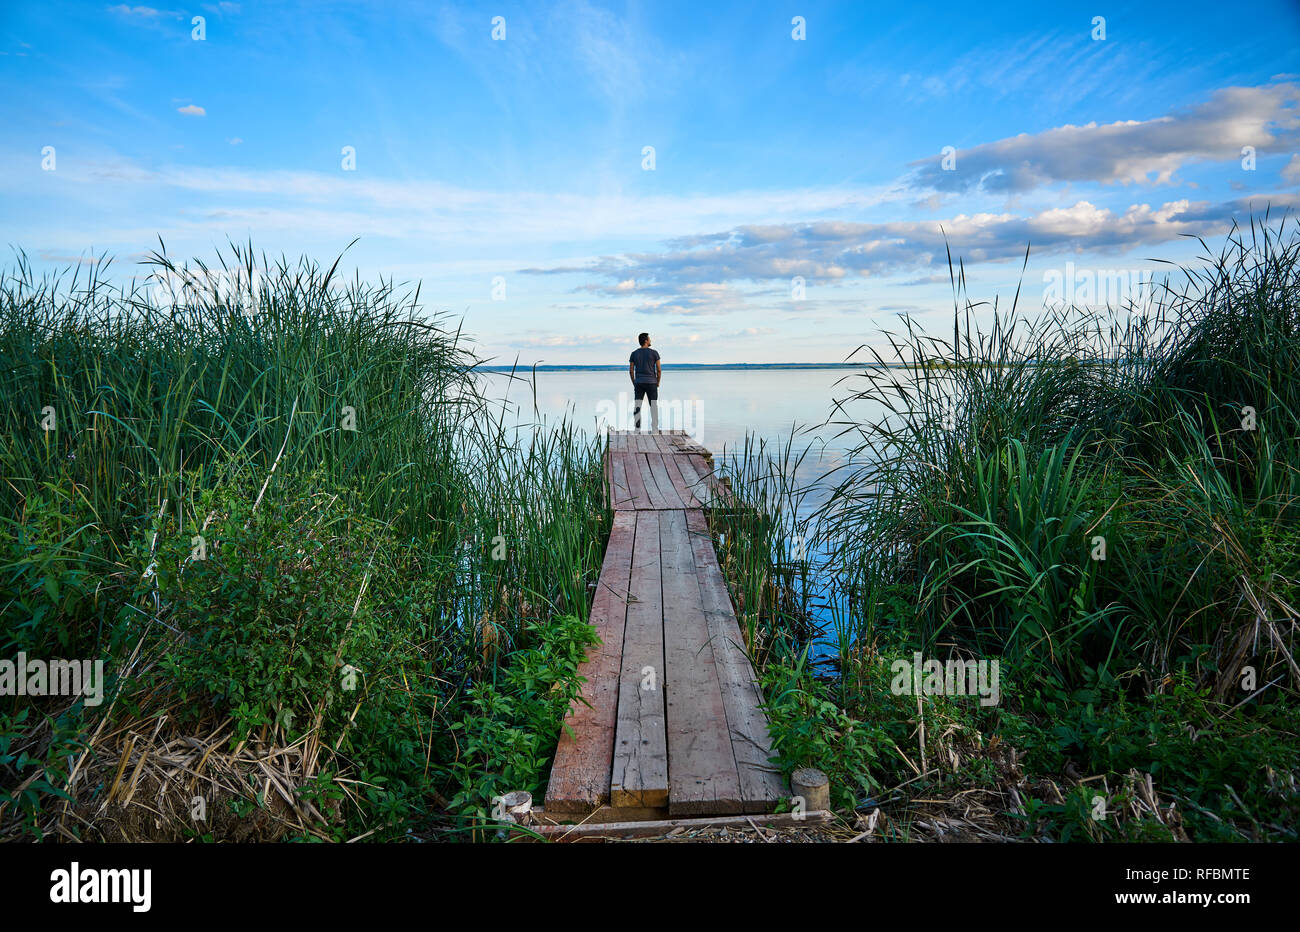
[{"x": 519, "y": 161}]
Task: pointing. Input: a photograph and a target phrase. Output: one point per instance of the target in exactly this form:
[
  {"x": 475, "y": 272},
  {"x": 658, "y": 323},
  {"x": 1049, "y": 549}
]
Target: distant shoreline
[
  {"x": 767, "y": 365},
  {"x": 681, "y": 365}
]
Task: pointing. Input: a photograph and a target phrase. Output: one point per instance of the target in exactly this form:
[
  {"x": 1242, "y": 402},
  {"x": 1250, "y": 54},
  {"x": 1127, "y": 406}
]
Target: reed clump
[
  {"x": 1105, "y": 501},
  {"x": 280, "y": 508}
]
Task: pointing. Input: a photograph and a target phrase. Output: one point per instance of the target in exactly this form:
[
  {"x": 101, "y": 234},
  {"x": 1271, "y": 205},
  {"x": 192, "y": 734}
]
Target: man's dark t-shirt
[{"x": 644, "y": 359}]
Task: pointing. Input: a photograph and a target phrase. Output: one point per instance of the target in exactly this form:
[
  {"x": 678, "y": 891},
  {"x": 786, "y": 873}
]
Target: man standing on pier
[{"x": 644, "y": 369}]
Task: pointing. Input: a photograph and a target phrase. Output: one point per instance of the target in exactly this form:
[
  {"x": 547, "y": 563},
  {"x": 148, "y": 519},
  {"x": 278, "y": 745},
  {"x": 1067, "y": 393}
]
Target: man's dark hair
[{"x": 642, "y": 337}]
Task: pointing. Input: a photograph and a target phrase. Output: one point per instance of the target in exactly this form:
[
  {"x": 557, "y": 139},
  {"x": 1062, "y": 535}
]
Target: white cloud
[
  {"x": 192, "y": 110},
  {"x": 694, "y": 275},
  {"x": 1291, "y": 171},
  {"x": 694, "y": 298},
  {"x": 552, "y": 340},
  {"x": 616, "y": 53},
  {"x": 1127, "y": 151},
  {"x": 335, "y": 203}
]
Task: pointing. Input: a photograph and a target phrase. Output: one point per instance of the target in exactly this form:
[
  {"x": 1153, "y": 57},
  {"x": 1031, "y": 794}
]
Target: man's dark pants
[{"x": 651, "y": 391}]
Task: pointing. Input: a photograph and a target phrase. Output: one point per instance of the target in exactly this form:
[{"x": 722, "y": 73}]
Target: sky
[{"x": 748, "y": 182}]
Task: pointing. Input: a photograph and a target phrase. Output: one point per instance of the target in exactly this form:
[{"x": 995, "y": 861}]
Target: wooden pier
[{"x": 668, "y": 723}]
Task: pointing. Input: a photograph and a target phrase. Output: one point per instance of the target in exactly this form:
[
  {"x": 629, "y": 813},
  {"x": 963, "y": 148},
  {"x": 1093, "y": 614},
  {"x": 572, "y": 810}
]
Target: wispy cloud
[
  {"x": 1291, "y": 172},
  {"x": 192, "y": 110},
  {"x": 692, "y": 298},
  {"x": 699, "y": 270},
  {"x": 1128, "y": 151},
  {"x": 147, "y": 12},
  {"x": 347, "y": 204},
  {"x": 624, "y": 59},
  {"x": 550, "y": 339},
  {"x": 48, "y": 256},
  {"x": 1043, "y": 69}
]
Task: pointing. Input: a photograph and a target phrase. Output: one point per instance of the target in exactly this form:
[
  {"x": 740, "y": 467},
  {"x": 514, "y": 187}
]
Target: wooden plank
[
  {"x": 620, "y": 495},
  {"x": 719, "y": 492},
  {"x": 701, "y": 466},
  {"x": 658, "y": 499},
  {"x": 631, "y": 441},
  {"x": 702, "y": 776},
  {"x": 600, "y": 816},
  {"x": 667, "y": 488},
  {"x": 700, "y": 485},
  {"x": 680, "y": 483},
  {"x": 635, "y": 484},
  {"x": 761, "y": 784},
  {"x": 780, "y": 820},
  {"x": 640, "y": 768},
  {"x": 609, "y": 481},
  {"x": 653, "y": 495},
  {"x": 584, "y": 757},
  {"x": 684, "y": 443},
  {"x": 611, "y": 494}
]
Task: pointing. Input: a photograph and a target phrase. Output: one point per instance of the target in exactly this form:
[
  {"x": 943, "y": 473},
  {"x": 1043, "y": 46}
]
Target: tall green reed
[
  {"x": 976, "y": 503},
  {"x": 361, "y": 502}
]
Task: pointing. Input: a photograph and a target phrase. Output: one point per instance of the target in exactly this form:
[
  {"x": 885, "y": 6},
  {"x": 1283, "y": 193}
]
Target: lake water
[{"x": 718, "y": 407}]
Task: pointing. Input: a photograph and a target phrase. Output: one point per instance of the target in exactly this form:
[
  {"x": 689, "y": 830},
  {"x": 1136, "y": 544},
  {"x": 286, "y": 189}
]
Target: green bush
[{"x": 508, "y": 727}]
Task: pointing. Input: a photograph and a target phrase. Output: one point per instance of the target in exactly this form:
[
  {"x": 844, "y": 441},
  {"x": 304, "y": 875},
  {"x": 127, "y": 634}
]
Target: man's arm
[
  {"x": 631, "y": 371},
  {"x": 659, "y": 373}
]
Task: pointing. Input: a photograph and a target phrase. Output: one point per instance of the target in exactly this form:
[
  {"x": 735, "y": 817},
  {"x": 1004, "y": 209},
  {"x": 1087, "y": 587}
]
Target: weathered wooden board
[
  {"x": 702, "y": 777},
  {"x": 635, "y": 484},
  {"x": 685, "y": 488},
  {"x": 718, "y": 490},
  {"x": 761, "y": 784},
  {"x": 657, "y": 500},
  {"x": 667, "y": 489},
  {"x": 702, "y": 480},
  {"x": 656, "y": 474},
  {"x": 640, "y": 770},
  {"x": 598, "y": 829},
  {"x": 620, "y": 494},
  {"x": 580, "y": 774}
]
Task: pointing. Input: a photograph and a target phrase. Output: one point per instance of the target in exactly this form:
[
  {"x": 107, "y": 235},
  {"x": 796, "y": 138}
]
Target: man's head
[{"x": 643, "y": 339}]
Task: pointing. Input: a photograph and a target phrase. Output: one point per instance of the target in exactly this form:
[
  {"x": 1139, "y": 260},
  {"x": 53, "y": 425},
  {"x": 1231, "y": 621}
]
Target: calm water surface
[{"x": 718, "y": 407}]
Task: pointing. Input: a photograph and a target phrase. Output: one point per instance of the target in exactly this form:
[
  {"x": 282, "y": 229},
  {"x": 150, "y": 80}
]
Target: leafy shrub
[
  {"x": 1229, "y": 770},
  {"x": 508, "y": 728},
  {"x": 810, "y": 730}
]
